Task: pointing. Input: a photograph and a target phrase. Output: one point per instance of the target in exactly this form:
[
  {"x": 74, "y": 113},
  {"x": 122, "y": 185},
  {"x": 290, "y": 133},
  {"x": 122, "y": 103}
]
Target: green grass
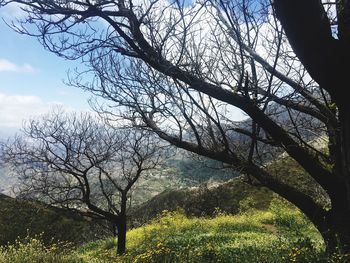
[
  {"x": 279, "y": 234},
  {"x": 232, "y": 197},
  {"x": 20, "y": 219},
  {"x": 33, "y": 250},
  {"x": 264, "y": 228},
  {"x": 231, "y": 222}
]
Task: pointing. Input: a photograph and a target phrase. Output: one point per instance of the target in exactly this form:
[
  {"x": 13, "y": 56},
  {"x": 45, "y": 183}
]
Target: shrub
[{"x": 32, "y": 250}]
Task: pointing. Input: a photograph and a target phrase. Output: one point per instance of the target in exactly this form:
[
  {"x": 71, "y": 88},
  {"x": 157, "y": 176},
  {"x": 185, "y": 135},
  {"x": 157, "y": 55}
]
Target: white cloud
[
  {"x": 6, "y": 65},
  {"x": 12, "y": 11},
  {"x": 14, "y": 109}
]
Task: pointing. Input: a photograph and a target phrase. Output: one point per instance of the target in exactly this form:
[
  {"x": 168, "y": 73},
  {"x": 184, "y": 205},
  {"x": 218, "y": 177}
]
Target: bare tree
[
  {"x": 181, "y": 68},
  {"x": 77, "y": 162}
]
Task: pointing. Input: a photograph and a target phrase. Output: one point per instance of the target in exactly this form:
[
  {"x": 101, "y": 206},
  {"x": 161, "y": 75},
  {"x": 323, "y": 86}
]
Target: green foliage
[
  {"x": 232, "y": 197},
  {"x": 241, "y": 223},
  {"x": 292, "y": 222},
  {"x": 287, "y": 170},
  {"x": 98, "y": 251},
  {"x": 33, "y": 250},
  {"x": 252, "y": 236},
  {"x": 20, "y": 218}
]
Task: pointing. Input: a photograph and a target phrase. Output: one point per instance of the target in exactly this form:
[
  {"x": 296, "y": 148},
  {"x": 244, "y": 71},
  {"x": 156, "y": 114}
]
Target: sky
[{"x": 31, "y": 79}]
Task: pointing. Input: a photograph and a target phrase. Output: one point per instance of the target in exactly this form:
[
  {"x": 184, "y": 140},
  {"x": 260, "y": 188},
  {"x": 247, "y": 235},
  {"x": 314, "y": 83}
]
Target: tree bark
[
  {"x": 309, "y": 32},
  {"x": 121, "y": 226},
  {"x": 121, "y": 246},
  {"x": 339, "y": 216},
  {"x": 337, "y": 234},
  {"x": 344, "y": 116}
]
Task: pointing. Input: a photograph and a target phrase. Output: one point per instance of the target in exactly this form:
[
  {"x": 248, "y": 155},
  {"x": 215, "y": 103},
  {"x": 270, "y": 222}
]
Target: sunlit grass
[
  {"x": 279, "y": 234},
  {"x": 33, "y": 250},
  {"x": 254, "y": 236}
]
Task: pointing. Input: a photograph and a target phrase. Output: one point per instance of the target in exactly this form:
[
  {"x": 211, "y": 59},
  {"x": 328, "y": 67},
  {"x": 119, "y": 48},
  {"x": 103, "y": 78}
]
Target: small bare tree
[{"x": 77, "y": 162}]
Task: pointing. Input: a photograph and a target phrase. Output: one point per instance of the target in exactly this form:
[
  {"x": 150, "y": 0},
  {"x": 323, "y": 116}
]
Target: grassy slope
[
  {"x": 264, "y": 228},
  {"x": 273, "y": 231},
  {"x": 279, "y": 234},
  {"x": 254, "y": 236},
  {"x": 19, "y": 218},
  {"x": 231, "y": 197}
]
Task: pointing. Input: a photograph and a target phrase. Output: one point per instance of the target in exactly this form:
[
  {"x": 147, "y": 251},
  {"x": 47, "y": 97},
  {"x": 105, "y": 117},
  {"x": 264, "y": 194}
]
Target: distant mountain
[
  {"x": 232, "y": 196},
  {"x": 6, "y": 182},
  {"x": 195, "y": 171}
]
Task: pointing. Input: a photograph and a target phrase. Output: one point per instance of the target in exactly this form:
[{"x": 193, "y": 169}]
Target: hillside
[
  {"x": 230, "y": 197},
  {"x": 221, "y": 222},
  {"x": 194, "y": 170},
  {"x": 211, "y": 222},
  {"x": 255, "y": 236},
  {"x": 20, "y": 218},
  {"x": 279, "y": 234},
  {"x": 6, "y": 181}
]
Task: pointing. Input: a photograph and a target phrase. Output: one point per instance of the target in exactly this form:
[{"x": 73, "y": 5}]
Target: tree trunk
[
  {"x": 337, "y": 234},
  {"x": 344, "y": 117},
  {"x": 121, "y": 226},
  {"x": 338, "y": 218},
  {"x": 114, "y": 229},
  {"x": 334, "y": 225},
  {"x": 121, "y": 246}
]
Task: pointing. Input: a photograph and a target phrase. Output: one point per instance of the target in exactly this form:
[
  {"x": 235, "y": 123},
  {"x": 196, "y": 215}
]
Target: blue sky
[{"x": 31, "y": 79}]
